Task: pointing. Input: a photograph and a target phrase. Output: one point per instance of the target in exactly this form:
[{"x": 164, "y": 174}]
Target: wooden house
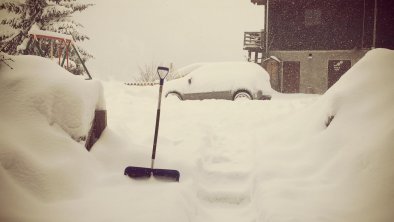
[{"x": 306, "y": 45}]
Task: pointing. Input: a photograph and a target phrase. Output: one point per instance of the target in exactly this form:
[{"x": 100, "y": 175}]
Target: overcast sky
[{"x": 126, "y": 34}]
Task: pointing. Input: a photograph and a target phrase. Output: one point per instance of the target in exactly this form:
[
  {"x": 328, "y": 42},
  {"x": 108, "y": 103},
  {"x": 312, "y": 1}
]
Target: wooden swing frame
[{"x": 63, "y": 47}]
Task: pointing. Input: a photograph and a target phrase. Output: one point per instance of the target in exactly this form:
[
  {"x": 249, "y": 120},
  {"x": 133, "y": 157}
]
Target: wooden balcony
[{"x": 254, "y": 41}]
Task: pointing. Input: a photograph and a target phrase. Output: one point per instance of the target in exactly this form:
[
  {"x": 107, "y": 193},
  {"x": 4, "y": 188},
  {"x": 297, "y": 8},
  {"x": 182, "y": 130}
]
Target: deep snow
[{"x": 239, "y": 161}]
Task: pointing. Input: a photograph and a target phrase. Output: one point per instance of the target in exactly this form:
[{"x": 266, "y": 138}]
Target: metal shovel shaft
[{"x": 157, "y": 124}]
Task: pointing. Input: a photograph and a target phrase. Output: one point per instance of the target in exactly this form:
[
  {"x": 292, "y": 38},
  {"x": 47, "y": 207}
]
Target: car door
[{"x": 203, "y": 86}]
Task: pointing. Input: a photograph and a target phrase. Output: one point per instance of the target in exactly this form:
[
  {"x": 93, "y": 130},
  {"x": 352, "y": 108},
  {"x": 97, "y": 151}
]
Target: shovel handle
[
  {"x": 165, "y": 70},
  {"x": 162, "y": 69}
]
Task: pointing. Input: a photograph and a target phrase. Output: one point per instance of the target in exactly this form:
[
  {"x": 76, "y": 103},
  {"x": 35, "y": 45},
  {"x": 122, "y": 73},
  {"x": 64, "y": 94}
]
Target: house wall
[
  {"x": 314, "y": 71},
  {"x": 320, "y": 25},
  {"x": 329, "y": 30}
]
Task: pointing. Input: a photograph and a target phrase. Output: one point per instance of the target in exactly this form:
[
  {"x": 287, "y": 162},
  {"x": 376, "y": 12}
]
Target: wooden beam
[
  {"x": 259, "y": 2},
  {"x": 80, "y": 59},
  {"x": 49, "y": 37}
]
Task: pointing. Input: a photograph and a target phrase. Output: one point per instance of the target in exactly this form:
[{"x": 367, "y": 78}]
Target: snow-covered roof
[{"x": 43, "y": 33}]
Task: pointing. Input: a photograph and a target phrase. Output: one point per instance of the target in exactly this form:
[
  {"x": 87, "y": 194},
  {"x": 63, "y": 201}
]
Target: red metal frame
[{"x": 63, "y": 41}]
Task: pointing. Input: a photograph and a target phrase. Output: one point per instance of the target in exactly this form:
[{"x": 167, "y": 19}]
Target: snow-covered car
[{"x": 225, "y": 80}]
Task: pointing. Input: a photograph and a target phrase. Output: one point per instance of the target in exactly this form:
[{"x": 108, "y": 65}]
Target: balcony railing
[{"x": 254, "y": 40}]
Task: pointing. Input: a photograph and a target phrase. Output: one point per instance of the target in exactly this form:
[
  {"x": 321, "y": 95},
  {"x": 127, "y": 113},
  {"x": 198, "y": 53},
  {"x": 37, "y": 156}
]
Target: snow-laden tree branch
[{"x": 48, "y": 15}]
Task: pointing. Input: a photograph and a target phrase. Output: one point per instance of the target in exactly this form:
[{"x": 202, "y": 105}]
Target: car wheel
[
  {"x": 174, "y": 95},
  {"x": 242, "y": 95}
]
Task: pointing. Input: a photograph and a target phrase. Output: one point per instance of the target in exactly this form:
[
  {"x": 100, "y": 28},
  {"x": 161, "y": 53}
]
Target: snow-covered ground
[{"x": 239, "y": 161}]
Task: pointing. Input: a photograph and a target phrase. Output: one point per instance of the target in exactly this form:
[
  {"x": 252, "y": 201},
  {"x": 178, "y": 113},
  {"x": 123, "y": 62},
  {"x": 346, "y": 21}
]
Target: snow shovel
[{"x": 144, "y": 172}]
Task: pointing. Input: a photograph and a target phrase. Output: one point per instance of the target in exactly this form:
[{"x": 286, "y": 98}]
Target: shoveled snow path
[
  {"x": 224, "y": 175},
  {"x": 224, "y": 180}
]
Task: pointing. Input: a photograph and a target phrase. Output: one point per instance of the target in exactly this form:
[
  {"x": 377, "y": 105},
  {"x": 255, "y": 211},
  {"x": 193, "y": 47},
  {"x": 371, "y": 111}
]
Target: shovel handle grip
[{"x": 162, "y": 69}]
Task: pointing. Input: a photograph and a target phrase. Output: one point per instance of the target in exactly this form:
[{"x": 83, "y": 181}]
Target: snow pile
[
  {"x": 45, "y": 174},
  {"x": 239, "y": 161},
  {"x": 181, "y": 72},
  {"x": 340, "y": 173},
  {"x": 42, "y": 108},
  {"x": 36, "y": 85}
]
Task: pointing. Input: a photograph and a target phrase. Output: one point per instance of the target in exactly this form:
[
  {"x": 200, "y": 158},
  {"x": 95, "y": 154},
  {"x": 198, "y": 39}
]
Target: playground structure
[{"x": 63, "y": 43}]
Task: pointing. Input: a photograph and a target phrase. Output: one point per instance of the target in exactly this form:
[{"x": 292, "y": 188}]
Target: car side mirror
[{"x": 189, "y": 81}]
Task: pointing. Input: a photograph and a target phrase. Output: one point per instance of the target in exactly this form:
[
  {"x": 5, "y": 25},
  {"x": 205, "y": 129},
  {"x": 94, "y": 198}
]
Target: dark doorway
[
  {"x": 272, "y": 66},
  {"x": 336, "y": 68},
  {"x": 385, "y": 24},
  {"x": 291, "y": 77}
]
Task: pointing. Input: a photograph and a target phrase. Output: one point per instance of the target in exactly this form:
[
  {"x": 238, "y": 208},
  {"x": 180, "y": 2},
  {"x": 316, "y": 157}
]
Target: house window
[
  {"x": 312, "y": 17},
  {"x": 336, "y": 68}
]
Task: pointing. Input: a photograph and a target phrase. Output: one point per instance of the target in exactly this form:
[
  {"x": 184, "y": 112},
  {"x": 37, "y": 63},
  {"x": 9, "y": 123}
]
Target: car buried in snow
[{"x": 224, "y": 80}]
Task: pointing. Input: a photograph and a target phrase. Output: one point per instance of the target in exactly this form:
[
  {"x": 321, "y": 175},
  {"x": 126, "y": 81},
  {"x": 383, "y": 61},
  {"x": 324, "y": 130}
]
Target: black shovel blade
[
  {"x": 166, "y": 174},
  {"x": 138, "y": 172},
  {"x": 143, "y": 172}
]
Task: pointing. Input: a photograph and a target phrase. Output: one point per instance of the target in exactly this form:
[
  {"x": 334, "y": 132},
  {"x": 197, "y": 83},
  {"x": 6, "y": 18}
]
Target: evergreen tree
[{"x": 49, "y": 15}]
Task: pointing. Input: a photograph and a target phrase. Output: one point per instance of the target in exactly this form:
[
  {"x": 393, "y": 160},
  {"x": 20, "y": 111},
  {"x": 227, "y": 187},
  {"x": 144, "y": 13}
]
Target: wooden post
[
  {"x": 51, "y": 48},
  {"x": 375, "y": 15},
  {"x": 80, "y": 59},
  {"x": 281, "y": 77},
  {"x": 28, "y": 45},
  {"x": 266, "y": 28},
  {"x": 98, "y": 125},
  {"x": 363, "y": 30},
  {"x": 67, "y": 49},
  {"x": 59, "y": 51},
  {"x": 64, "y": 57},
  {"x": 37, "y": 46}
]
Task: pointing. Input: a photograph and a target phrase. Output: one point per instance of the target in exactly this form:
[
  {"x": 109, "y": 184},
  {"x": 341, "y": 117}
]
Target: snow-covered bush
[{"x": 148, "y": 73}]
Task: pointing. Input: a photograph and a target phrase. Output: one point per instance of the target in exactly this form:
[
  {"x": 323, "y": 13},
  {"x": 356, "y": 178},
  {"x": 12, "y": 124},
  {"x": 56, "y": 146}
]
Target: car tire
[
  {"x": 174, "y": 95},
  {"x": 242, "y": 95}
]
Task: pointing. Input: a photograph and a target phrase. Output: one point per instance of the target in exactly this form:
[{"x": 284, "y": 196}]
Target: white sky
[{"x": 125, "y": 34}]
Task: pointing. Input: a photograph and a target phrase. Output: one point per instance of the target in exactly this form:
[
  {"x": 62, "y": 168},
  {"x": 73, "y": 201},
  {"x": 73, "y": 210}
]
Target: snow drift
[
  {"x": 39, "y": 86},
  {"x": 44, "y": 111},
  {"x": 265, "y": 161},
  {"x": 343, "y": 172}
]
